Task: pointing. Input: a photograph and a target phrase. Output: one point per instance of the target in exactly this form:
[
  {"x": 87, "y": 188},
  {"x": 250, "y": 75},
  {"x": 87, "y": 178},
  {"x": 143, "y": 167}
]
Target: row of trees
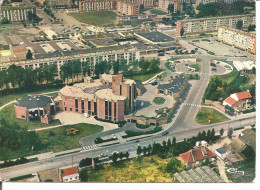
[{"x": 171, "y": 148}]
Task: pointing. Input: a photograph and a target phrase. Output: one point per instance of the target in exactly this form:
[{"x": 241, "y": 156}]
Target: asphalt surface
[{"x": 183, "y": 127}]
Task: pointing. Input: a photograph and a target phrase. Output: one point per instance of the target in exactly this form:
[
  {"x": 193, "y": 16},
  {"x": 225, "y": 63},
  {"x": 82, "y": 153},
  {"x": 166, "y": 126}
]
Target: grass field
[
  {"x": 59, "y": 142},
  {"x": 167, "y": 65},
  {"x": 205, "y": 113},
  {"x": 142, "y": 169},
  {"x": 163, "y": 75},
  {"x": 158, "y": 100},
  {"x": 8, "y": 113},
  {"x": 98, "y": 18},
  {"x": 11, "y": 97},
  {"x": 143, "y": 78},
  {"x": 157, "y": 12},
  {"x": 196, "y": 67}
]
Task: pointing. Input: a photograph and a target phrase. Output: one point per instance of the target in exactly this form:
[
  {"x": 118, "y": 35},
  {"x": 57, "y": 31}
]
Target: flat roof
[
  {"x": 156, "y": 36},
  {"x": 34, "y": 101}
]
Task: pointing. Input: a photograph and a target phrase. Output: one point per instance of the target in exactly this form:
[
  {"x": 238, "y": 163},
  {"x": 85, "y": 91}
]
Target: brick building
[
  {"x": 109, "y": 97},
  {"x": 202, "y": 25},
  {"x": 238, "y": 38},
  {"x": 97, "y": 5},
  {"x": 35, "y": 107},
  {"x": 69, "y": 174},
  {"x": 59, "y": 3}
]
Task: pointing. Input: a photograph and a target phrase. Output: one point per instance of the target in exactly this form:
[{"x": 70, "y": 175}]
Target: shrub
[
  {"x": 72, "y": 131},
  {"x": 21, "y": 177},
  {"x": 134, "y": 133}
]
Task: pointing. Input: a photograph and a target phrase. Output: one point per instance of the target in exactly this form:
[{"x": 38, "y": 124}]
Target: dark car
[
  {"x": 164, "y": 133},
  {"x": 154, "y": 83}
]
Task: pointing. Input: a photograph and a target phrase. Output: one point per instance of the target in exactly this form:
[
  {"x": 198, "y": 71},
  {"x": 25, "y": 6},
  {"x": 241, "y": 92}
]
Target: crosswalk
[
  {"x": 89, "y": 147},
  {"x": 194, "y": 105}
]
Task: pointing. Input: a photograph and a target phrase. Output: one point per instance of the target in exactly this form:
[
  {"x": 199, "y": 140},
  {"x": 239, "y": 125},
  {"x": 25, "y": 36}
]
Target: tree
[
  {"x": 221, "y": 132},
  {"x": 182, "y": 31},
  {"x": 173, "y": 141},
  {"x": 139, "y": 150},
  {"x": 251, "y": 27},
  {"x": 127, "y": 155},
  {"x": 116, "y": 67},
  {"x": 170, "y": 8},
  {"x": 48, "y": 180},
  {"x": 114, "y": 157},
  {"x": 212, "y": 135},
  {"x": 29, "y": 54},
  {"x": 83, "y": 175},
  {"x": 174, "y": 165},
  {"x": 144, "y": 150},
  {"x": 141, "y": 8},
  {"x": 149, "y": 149},
  {"x": 230, "y": 133},
  {"x": 239, "y": 25},
  {"x": 206, "y": 162},
  {"x": 121, "y": 155},
  {"x": 5, "y": 21}
]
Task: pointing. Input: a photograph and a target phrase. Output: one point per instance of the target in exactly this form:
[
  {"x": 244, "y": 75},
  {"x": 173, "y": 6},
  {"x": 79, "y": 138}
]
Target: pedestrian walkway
[
  {"x": 189, "y": 104},
  {"x": 89, "y": 147}
]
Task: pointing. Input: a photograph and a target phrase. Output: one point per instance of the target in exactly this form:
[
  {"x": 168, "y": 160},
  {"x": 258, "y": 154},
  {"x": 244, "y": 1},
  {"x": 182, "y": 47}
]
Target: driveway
[{"x": 70, "y": 118}]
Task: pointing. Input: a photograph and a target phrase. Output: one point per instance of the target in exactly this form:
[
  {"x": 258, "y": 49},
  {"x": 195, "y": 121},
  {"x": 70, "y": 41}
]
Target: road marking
[{"x": 194, "y": 105}]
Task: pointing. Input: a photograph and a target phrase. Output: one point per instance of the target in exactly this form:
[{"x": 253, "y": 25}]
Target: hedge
[
  {"x": 135, "y": 133},
  {"x": 21, "y": 177}
]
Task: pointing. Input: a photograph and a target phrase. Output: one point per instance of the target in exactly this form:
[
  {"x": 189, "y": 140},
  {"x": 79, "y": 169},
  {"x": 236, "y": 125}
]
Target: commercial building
[
  {"x": 239, "y": 100},
  {"x": 163, "y": 4},
  {"x": 245, "y": 65},
  {"x": 127, "y": 8},
  {"x": 175, "y": 89},
  {"x": 35, "y": 107},
  {"x": 109, "y": 97},
  {"x": 196, "y": 157},
  {"x": 16, "y": 13},
  {"x": 154, "y": 37},
  {"x": 203, "y": 25},
  {"x": 198, "y": 175},
  {"x": 238, "y": 38},
  {"x": 139, "y": 17}
]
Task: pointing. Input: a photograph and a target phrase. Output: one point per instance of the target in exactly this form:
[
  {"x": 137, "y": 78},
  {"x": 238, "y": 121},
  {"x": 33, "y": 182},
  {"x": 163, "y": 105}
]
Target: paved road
[{"x": 183, "y": 127}]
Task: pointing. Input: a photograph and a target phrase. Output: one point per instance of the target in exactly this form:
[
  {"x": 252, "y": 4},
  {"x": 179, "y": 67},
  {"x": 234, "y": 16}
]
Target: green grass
[
  {"x": 142, "y": 78},
  {"x": 141, "y": 169},
  {"x": 196, "y": 67},
  {"x": 204, "y": 114},
  {"x": 11, "y": 97},
  {"x": 158, "y": 12},
  {"x": 8, "y": 113},
  {"x": 59, "y": 142},
  {"x": 140, "y": 126},
  {"x": 159, "y": 100},
  {"x": 163, "y": 75},
  {"x": 98, "y": 18},
  {"x": 167, "y": 65}
]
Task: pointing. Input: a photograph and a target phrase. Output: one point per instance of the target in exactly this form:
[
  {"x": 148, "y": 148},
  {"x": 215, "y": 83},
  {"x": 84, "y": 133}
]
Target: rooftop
[
  {"x": 248, "y": 136},
  {"x": 243, "y": 95},
  {"x": 34, "y": 101},
  {"x": 156, "y": 37},
  {"x": 69, "y": 171}
]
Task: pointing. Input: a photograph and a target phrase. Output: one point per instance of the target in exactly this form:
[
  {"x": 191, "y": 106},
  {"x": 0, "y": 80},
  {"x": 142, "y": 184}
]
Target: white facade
[
  {"x": 70, "y": 178},
  {"x": 245, "y": 65}
]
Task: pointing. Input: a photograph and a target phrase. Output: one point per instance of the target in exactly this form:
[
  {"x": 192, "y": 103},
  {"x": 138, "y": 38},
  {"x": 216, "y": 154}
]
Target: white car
[{"x": 86, "y": 115}]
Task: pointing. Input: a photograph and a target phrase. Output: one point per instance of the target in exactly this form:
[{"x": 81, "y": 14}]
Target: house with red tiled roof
[
  {"x": 196, "y": 157},
  {"x": 238, "y": 100},
  {"x": 69, "y": 174}
]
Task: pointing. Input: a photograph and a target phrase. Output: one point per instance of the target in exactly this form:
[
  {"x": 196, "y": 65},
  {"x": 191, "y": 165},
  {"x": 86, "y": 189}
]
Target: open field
[
  {"x": 205, "y": 114},
  {"x": 98, "y": 18},
  {"x": 142, "y": 78},
  {"x": 8, "y": 113},
  {"x": 196, "y": 67},
  {"x": 142, "y": 169},
  {"x": 158, "y": 12},
  {"x": 11, "y": 97},
  {"x": 57, "y": 142}
]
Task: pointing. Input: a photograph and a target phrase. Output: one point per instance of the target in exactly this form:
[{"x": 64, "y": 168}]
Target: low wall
[{"x": 216, "y": 104}]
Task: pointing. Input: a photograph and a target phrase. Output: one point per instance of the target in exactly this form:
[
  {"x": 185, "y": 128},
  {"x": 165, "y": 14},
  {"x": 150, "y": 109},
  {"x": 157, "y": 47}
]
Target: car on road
[
  {"x": 154, "y": 83},
  {"x": 214, "y": 69},
  {"x": 102, "y": 155},
  {"x": 115, "y": 152},
  {"x": 137, "y": 141},
  {"x": 164, "y": 133},
  {"x": 186, "y": 64}
]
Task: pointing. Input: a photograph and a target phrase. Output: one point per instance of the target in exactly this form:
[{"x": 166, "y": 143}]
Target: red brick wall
[
  {"x": 21, "y": 111},
  {"x": 120, "y": 112},
  {"x": 101, "y": 108}
]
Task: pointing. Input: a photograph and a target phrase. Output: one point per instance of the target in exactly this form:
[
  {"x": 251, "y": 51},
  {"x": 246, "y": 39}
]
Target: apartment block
[
  {"x": 126, "y": 8},
  {"x": 59, "y": 3},
  {"x": 16, "y": 13},
  {"x": 203, "y": 25},
  {"x": 97, "y": 5},
  {"x": 238, "y": 38},
  {"x": 146, "y": 3},
  {"x": 163, "y": 4}
]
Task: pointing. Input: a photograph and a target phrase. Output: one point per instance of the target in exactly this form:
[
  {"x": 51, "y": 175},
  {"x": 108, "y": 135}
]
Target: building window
[
  {"x": 70, "y": 109},
  {"x": 95, "y": 108},
  {"x": 65, "y": 108},
  {"x": 120, "y": 89}
]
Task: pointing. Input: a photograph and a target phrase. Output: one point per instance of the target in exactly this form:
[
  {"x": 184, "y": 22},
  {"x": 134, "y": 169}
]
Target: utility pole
[{"x": 72, "y": 161}]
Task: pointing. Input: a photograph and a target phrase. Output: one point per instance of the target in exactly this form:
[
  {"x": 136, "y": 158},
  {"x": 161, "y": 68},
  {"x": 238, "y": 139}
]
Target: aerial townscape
[{"x": 128, "y": 91}]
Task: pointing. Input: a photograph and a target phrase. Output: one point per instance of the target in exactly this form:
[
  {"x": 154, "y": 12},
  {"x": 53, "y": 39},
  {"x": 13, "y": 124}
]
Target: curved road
[{"x": 183, "y": 127}]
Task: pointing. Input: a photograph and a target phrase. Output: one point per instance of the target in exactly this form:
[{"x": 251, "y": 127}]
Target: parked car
[
  {"x": 164, "y": 133},
  {"x": 154, "y": 83}
]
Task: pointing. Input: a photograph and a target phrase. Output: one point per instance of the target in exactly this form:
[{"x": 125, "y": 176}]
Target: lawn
[
  {"x": 11, "y": 97},
  {"x": 196, "y": 67},
  {"x": 8, "y": 113},
  {"x": 59, "y": 142},
  {"x": 98, "y": 18},
  {"x": 142, "y": 78},
  {"x": 142, "y": 169},
  {"x": 158, "y": 12},
  {"x": 205, "y": 114},
  {"x": 167, "y": 65},
  {"x": 162, "y": 76},
  {"x": 158, "y": 100}
]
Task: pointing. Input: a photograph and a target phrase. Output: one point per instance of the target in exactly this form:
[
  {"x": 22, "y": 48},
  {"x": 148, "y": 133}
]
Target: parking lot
[{"x": 218, "y": 48}]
